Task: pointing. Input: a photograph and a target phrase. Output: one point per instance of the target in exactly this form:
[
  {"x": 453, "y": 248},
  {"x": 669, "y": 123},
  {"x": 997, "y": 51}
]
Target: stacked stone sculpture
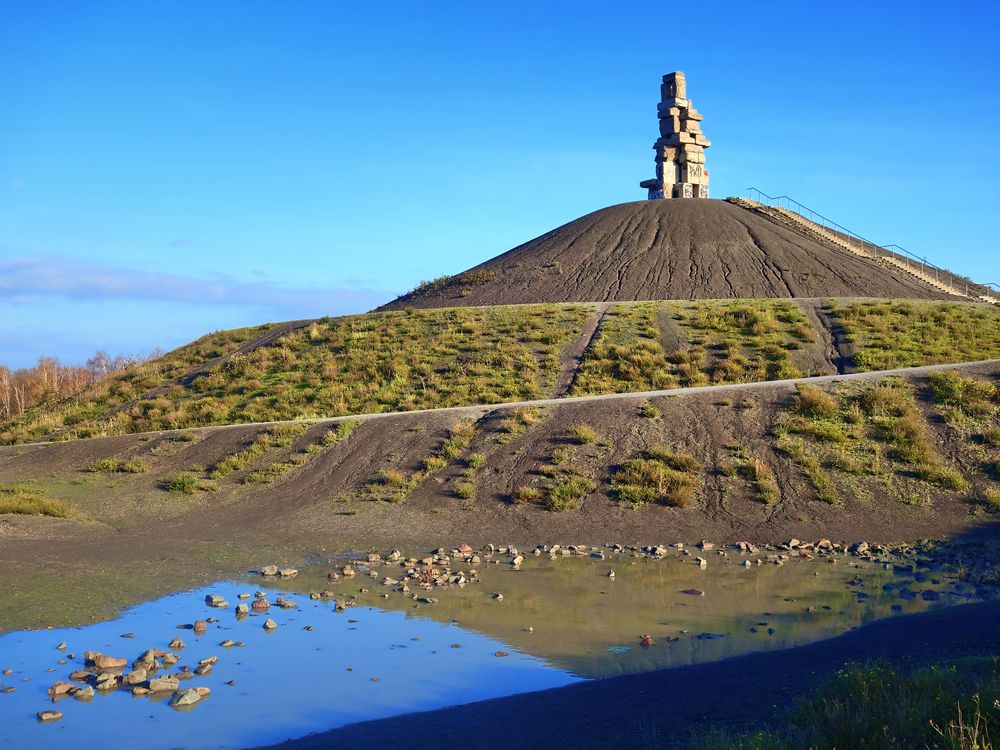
[{"x": 680, "y": 149}]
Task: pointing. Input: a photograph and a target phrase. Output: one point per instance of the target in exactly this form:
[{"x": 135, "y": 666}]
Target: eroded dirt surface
[{"x": 645, "y": 250}]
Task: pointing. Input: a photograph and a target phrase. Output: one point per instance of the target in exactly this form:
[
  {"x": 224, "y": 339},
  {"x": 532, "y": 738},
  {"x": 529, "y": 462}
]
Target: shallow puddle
[{"x": 558, "y": 621}]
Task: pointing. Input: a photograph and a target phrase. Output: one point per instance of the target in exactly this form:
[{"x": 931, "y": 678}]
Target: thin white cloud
[{"x": 25, "y": 280}]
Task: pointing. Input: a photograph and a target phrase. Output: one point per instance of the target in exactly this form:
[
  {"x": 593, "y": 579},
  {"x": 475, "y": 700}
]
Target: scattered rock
[
  {"x": 501, "y": 654},
  {"x": 102, "y": 661},
  {"x": 185, "y": 698},
  {"x": 214, "y": 600},
  {"x": 139, "y": 690},
  {"x": 269, "y": 624},
  {"x": 693, "y": 592},
  {"x": 200, "y": 626},
  {"x": 288, "y": 572},
  {"x": 498, "y": 597},
  {"x": 269, "y": 570},
  {"x": 62, "y": 646},
  {"x": 176, "y": 644},
  {"x": 646, "y": 641},
  {"x": 47, "y": 716},
  {"x": 242, "y": 610},
  {"x": 164, "y": 685},
  {"x": 61, "y": 688},
  {"x": 84, "y": 694},
  {"x": 135, "y": 677},
  {"x": 261, "y": 605}
]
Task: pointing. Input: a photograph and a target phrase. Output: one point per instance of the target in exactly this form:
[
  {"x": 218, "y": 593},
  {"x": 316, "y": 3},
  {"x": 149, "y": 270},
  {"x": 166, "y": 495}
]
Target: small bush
[
  {"x": 567, "y": 492},
  {"x": 677, "y": 461},
  {"x": 475, "y": 460},
  {"x": 810, "y": 401},
  {"x": 527, "y": 494},
  {"x": 944, "y": 477},
  {"x": 23, "y": 501},
  {"x": 648, "y": 410},
  {"x": 392, "y": 477},
  {"x": 434, "y": 463},
  {"x": 762, "y": 477},
  {"x": 465, "y": 490},
  {"x": 184, "y": 482},
  {"x": 992, "y": 498},
  {"x": 584, "y": 434},
  {"x": 119, "y": 466}
]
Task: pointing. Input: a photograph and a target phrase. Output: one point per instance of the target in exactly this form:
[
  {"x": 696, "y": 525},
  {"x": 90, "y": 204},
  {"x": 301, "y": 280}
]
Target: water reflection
[{"x": 559, "y": 620}]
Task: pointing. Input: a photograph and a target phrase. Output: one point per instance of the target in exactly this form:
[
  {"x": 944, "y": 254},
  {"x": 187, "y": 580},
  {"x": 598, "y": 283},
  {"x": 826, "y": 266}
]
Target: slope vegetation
[
  {"x": 647, "y": 250},
  {"x": 419, "y": 359}
]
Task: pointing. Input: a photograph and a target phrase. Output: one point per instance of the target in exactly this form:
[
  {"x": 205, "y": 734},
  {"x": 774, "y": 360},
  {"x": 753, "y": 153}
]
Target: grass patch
[
  {"x": 567, "y": 491},
  {"x": 527, "y": 494},
  {"x": 661, "y": 475},
  {"x": 873, "y": 431},
  {"x": 187, "y": 483},
  {"x": 119, "y": 466},
  {"x": 991, "y": 499},
  {"x": 721, "y": 342},
  {"x": 888, "y": 334},
  {"x": 377, "y": 362},
  {"x": 952, "y": 705},
  {"x": 394, "y": 485},
  {"x": 24, "y": 500},
  {"x": 584, "y": 434}
]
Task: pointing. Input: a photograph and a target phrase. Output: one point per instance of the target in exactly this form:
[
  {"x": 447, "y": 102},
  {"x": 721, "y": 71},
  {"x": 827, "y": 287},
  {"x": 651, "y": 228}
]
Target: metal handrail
[{"x": 972, "y": 288}]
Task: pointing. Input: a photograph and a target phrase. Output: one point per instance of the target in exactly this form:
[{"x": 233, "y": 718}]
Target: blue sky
[{"x": 171, "y": 168}]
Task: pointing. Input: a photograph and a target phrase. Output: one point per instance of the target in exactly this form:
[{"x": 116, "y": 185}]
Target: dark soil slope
[{"x": 694, "y": 249}]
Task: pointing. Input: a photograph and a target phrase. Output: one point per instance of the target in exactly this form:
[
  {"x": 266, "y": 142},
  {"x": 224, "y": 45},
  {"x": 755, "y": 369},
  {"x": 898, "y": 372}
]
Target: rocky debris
[
  {"x": 500, "y": 654},
  {"x": 47, "y": 716},
  {"x": 285, "y": 603},
  {"x": 498, "y": 597},
  {"x": 646, "y": 641},
  {"x": 348, "y": 571},
  {"x": 269, "y": 624},
  {"x": 135, "y": 677},
  {"x": 242, "y": 610},
  {"x": 84, "y": 693},
  {"x": 170, "y": 659},
  {"x": 61, "y": 688},
  {"x": 176, "y": 644},
  {"x": 62, "y": 646},
  {"x": 164, "y": 685},
  {"x": 102, "y": 661},
  {"x": 188, "y": 696},
  {"x": 260, "y": 605},
  {"x": 203, "y": 670},
  {"x": 288, "y": 572},
  {"x": 106, "y": 681},
  {"x": 214, "y": 600},
  {"x": 269, "y": 570}
]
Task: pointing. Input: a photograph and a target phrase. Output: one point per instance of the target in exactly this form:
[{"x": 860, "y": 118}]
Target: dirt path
[
  {"x": 574, "y": 357},
  {"x": 664, "y": 708},
  {"x": 479, "y": 410}
]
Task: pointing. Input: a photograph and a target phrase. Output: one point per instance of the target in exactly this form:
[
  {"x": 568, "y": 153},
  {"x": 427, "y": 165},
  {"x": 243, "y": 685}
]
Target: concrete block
[
  {"x": 693, "y": 173},
  {"x": 670, "y": 125},
  {"x": 701, "y": 191}
]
